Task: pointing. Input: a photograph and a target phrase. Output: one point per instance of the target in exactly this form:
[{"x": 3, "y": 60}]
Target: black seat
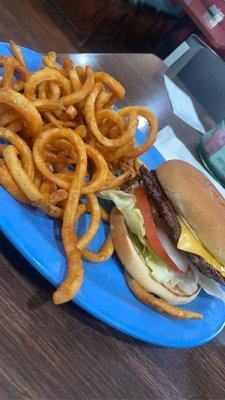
[{"x": 202, "y": 71}]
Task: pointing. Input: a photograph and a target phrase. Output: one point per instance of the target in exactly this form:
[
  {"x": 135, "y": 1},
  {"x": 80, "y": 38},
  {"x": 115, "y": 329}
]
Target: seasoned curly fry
[
  {"x": 19, "y": 175},
  {"x": 93, "y": 126},
  {"x": 114, "y": 85},
  {"x": 23, "y": 149},
  {"x": 8, "y": 183},
  {"x": 59, "y": 123},
  {"x": 49, "y": 60},
  {"x": 47, "y": 105},
  {"x": 58, "y": 196},
  {"x": 45, "y": 74},
  {"x": 79, "y": 95},
  {"x": 15, "y": 126},
  {"x": 101, "y": 171},
  {"x": 105, "y": 99},
  {"x": 74, "y": 278},
  {"x": 7, "y": 117},
  {"x": 153, "y": 123},
  {"x": 107, "y": 248},
  {"x": 72, "y": 74},
  {"x": 25, "y": 109},
  {"x": 11, "y": 69},
  {"x": 116, "y": 181},
  {"x": 61, "y": 142},
  {"x": 8, "y": 67},
  {"x": 105, "y": 251},
  {"x": 159, "y": 304},
  {"x": 42, "y": 141},
  {"x": 103, "y": 254},
  {"x": 60, "y": 179},
  {"x": 17, "y": 53},
  {"x": 95, "y": 212},
  {"x": 54, "y": 90},
  {"x": 47, "y": 188}
]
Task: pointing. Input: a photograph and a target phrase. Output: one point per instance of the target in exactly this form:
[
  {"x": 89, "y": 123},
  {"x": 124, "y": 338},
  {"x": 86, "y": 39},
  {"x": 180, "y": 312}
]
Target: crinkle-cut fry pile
[{"x": 62, "y": 142}]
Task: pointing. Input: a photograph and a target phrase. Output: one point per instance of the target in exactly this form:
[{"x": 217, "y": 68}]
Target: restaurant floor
[{"x": 39, "y": 25}]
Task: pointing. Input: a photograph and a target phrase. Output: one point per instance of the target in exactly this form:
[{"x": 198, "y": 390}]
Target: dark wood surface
[
  {"x": 36, "y": 24},
  {"x": 116, "y": 20},
  {"x": 49, "y": 352},
  {"x": 85, "y": 15}
]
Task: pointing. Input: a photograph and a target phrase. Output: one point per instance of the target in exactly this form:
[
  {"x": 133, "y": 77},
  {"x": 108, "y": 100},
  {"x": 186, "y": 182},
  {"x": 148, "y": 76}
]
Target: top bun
[{"x": 198, "y": 201}]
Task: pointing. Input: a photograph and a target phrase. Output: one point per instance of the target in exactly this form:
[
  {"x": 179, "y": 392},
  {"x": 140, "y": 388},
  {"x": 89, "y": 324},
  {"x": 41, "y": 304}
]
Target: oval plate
[{"x": 104, "y": 293}]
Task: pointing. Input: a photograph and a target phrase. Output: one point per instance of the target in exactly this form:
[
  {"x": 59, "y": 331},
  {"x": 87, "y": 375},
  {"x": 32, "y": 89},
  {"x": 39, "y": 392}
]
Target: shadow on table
[
  {"x": 23, "y": 268},
  {"x": 44, "y": 291}
]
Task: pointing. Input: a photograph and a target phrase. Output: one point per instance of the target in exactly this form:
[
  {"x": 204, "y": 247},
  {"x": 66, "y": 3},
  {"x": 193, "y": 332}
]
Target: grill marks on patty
[
  {"x": 165, "y": 208},
  {"x": 168, "y": 213}
]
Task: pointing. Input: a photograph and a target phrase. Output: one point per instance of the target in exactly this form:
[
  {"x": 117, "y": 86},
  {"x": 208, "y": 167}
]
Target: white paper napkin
[
  {"x": 172, "y": 148},
  {"x": 182, "y": 105}
]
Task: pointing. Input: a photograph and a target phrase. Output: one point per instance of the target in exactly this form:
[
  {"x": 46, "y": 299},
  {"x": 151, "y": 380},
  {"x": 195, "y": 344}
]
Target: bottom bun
[
  {"x": 159, "y": 305},
  {"x": 135, "y": 265}
]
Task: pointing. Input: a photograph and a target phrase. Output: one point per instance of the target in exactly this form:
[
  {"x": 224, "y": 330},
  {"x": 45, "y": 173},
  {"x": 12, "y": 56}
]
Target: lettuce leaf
[
  {"x": 161, "y": 273},
  {"x": 125, "y": 203}
]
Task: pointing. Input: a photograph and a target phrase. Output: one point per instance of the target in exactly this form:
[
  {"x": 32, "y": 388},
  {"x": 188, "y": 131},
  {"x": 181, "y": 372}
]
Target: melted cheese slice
[{"x": 190, "y": 243}]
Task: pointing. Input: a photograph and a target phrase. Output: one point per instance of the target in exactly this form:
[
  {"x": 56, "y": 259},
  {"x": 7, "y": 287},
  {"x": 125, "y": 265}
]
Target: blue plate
[{"x": 104, "y": 293}]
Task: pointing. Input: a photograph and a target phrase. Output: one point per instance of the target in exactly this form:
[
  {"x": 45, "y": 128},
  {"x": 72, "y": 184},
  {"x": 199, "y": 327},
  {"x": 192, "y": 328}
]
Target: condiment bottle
[{"x": 211, "y": 150}]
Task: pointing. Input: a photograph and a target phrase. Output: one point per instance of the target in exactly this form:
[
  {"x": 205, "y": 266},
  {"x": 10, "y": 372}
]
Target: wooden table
[{"x": 49, "y": 352}]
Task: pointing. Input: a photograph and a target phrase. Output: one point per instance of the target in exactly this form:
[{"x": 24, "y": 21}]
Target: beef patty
[{"x": 168, "y": 213}]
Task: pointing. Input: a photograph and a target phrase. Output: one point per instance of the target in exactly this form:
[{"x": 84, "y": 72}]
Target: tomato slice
[{"x": 150, "y": 228}]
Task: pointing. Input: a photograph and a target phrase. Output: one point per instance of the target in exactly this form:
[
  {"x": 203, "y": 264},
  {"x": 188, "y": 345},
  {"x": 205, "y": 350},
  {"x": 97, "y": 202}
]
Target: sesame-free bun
[
  {"x": 197, "y": 200},
  {"x": 135, "y": 265}
]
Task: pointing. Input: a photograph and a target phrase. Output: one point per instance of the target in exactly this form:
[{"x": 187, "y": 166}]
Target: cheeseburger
[{"x": 168, "y": 230}]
